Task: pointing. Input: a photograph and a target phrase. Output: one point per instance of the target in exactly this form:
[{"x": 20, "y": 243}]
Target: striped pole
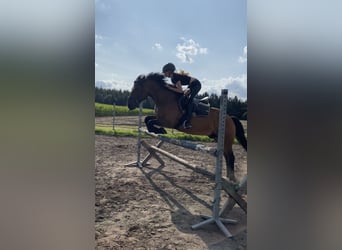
[
  {"x": 218, "y": 172},
  {"x": 138, "y": 162}
]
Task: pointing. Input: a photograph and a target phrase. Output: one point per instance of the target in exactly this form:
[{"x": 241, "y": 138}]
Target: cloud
[
  {"x": 243, "y": 58},
  {"x": 188, "y": 49},
  {"x": 237, "y": 86},
  {"x": 113, "y": 84},
  {"x": 157, "y": 46},
  {"x": 105, "y": 84},
  {"x": 102, "y": 5},
  {"x": 97, "y": 38}
]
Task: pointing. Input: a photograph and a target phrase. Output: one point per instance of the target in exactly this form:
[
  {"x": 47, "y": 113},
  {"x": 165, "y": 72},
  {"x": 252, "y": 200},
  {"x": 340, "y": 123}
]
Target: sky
[{"x": 206, "y": 38}]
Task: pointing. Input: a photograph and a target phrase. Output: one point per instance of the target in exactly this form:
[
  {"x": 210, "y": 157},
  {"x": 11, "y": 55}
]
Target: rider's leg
[{"x": 194, "y": 89}]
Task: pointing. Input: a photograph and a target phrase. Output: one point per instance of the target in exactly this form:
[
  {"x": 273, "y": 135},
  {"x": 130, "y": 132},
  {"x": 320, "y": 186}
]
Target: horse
[{"x": 168, "y": 114}]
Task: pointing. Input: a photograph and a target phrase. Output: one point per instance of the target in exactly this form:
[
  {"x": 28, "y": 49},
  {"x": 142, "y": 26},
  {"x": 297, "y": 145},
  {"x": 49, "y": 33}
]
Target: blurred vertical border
[
  {"x": 294, "y": 124},
  {"x": 47, "y": 57},
  {"x": 47, "y": 124}
]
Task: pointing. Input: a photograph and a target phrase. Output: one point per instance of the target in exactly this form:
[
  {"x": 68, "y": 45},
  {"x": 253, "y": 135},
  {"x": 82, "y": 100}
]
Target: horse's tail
[{"x": 240, "y": 132}]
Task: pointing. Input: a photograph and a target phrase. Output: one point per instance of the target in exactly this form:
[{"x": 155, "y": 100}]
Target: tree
[{"x": 235, "y": 106}]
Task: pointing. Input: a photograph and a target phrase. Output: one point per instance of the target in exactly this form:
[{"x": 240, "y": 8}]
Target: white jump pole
[
  {"x": 218, "y": 172},
  {"x": 114, "y": 105},
  {"x": 182, "y": 143},
  {"x": 138, "y": 162}
]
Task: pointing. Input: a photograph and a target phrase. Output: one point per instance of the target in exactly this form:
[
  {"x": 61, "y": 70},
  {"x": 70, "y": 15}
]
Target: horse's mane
[{"x": 158, "y": 77}]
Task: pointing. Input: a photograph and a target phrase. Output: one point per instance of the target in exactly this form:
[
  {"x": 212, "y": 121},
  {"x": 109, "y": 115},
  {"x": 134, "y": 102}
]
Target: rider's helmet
[{"x": 169, "y": 67}]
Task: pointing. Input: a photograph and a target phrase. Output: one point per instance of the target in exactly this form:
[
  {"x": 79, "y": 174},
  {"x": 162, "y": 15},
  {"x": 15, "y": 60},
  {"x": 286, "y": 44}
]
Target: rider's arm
[
  {"x": 176, "y": 88},
  {"x": 179, "y": 87}
]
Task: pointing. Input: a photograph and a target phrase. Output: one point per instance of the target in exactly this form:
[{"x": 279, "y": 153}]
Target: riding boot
[
  {"x": 183, "y": 101},
  {"x": 186, "y": 123}
]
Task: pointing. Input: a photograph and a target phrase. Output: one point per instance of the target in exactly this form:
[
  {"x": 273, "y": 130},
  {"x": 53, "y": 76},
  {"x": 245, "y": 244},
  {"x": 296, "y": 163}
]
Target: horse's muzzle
[{"x": 132, "y": 104}]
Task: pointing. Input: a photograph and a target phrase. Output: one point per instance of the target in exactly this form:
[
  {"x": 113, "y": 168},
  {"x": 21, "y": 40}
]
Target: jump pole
[
  {"x": 218, "y": 152},
  {"x": 230, "y": 203},
  {"x": 182, "y": 143},
  {"x": 229, "y": 187},
  {"x": 215, "y": 218},
  {"x": 138, "y": 163}
]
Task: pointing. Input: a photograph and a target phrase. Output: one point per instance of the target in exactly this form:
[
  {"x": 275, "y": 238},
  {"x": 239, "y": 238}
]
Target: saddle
[{"x": 201, "y": 107}]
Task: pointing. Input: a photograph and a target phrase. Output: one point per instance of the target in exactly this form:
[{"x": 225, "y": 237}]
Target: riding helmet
[{"x": 169, "y": 67}]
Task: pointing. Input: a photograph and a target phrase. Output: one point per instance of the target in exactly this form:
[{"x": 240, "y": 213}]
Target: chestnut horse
[{"x": 168, "y": 114}]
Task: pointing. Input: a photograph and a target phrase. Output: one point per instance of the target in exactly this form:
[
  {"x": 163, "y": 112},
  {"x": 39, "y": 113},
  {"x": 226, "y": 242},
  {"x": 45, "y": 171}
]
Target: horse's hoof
[{"x": 232, "y": 178}]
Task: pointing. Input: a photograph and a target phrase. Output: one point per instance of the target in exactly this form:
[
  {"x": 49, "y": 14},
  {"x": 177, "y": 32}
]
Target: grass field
[
  {"x": 134, "y": 132},
  {"x": 102, "y": 110},
  {"x": 126, "y": 123},
  {"x": 128, "y": 126}
]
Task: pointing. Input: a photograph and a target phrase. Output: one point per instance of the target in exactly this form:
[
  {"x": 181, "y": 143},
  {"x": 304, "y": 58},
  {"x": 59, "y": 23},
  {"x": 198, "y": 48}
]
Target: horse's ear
[{"x": 141, "y": 77}]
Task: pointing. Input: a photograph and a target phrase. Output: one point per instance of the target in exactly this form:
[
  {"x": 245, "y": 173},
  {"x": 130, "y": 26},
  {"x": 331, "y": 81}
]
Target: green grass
[
  {"x": 107, "y": 110},
  {"x": 134, "y": 133},
  {"x": 107, "y": 129},
  {"x": 116, "y": 132}
]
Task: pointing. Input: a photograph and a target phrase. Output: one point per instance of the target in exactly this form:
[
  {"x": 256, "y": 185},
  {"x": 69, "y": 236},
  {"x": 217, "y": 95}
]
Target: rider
[{"x": 191, "y": 91}]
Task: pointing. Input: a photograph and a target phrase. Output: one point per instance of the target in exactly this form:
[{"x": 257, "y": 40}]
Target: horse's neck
[
  {"x": 166, "y": 106},
  {"x": 161, "y": 95}
]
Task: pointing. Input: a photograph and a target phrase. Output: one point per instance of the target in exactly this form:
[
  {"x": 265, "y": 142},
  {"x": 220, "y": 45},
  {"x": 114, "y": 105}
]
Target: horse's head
[{"x": 138, "y": 93}]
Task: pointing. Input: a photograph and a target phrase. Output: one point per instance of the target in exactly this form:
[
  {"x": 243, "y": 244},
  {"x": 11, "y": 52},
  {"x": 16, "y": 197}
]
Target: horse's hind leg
[{"x": 230, "y": 161}]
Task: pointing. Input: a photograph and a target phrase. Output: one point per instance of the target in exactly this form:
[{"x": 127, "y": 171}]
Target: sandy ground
[{"x": 155, "y": 207}]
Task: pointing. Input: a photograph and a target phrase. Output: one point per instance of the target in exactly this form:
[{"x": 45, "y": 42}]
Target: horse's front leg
[
  {"x": 153, "y": 125},
  {"x": 148, "y": 119}
]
